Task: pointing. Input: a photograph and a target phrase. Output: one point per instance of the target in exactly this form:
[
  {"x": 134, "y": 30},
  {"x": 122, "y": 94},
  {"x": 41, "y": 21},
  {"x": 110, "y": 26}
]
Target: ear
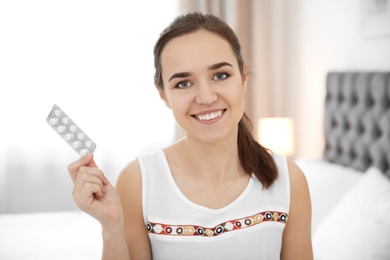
[
  {"x": 162, "y": 95},
  {"x": 244, "y": 77}
]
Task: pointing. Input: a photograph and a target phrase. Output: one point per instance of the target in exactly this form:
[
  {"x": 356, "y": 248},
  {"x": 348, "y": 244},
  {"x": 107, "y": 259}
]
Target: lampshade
[{"x": 277, "y": 134}]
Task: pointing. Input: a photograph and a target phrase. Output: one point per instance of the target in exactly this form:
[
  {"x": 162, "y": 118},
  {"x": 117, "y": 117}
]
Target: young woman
[{"x": 216, "y": 193}]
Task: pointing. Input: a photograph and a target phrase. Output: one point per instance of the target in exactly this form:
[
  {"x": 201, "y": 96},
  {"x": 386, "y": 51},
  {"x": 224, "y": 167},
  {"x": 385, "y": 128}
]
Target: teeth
[{"x": 210, "y": 116}]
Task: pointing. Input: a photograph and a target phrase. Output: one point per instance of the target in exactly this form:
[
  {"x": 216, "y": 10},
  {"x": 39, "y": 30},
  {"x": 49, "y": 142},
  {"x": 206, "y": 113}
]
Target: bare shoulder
[
  {"x": 129, "y": 187},
  {"x": 297, "y": 234},
  {"x": 130, "y": 171},
  {"x": 299, "y": 191},
  {"x": 297, "y": 177},
  {"x": 129, "y": 183}
]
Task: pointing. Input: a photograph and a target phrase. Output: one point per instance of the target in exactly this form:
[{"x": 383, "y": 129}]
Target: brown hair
[{"x": 253, "y": 157}]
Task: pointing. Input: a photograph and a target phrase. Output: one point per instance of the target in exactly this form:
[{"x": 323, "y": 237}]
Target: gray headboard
[{"x": 357, "y": 120}]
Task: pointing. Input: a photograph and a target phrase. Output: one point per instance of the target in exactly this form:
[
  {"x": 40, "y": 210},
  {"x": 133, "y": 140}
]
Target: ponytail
[{"x": 255, "y": 158}]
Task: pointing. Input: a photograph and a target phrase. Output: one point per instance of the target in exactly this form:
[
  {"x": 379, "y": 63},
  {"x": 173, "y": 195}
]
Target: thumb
[{"x": 89, "y": 160}]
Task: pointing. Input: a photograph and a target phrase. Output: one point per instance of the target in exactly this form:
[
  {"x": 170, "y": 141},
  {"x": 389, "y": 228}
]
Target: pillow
[{"x": 358, "y": 227}]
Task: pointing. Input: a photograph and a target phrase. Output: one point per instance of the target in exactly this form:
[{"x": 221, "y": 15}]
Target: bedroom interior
[{"x": 323, "y": 65}]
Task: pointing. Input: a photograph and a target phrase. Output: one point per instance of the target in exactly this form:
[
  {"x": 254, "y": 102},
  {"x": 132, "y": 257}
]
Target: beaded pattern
[{"x": 236, "y": 224}]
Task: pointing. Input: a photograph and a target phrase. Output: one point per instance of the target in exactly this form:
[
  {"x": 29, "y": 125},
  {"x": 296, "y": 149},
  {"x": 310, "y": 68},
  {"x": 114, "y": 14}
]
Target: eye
[
  {"x": 221, "y": 76},
  {"x": 183, "y": 84}
]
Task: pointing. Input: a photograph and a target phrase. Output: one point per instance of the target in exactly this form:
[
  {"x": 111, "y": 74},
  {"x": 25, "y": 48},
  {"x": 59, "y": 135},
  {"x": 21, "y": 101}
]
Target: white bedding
[
  {"x": 328, "y": 183},
  {"x": 58, "y": 235},
  {"x": 350, "y": 211}
]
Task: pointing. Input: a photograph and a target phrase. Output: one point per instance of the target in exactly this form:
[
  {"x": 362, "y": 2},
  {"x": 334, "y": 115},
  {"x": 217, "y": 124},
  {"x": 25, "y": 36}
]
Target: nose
[{"x": 205, "y": 95}]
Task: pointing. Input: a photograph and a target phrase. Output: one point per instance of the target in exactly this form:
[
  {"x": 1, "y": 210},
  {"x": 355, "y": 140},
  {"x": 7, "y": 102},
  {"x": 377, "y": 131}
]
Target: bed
[
  {"x": 349, "y": 186},
  {"x": 58, "y": 235}
]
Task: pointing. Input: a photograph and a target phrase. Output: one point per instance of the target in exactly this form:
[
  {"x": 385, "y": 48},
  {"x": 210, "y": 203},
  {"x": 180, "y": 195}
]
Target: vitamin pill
[
  {"x": 65, "y": 120},
  {"x": 53, "y": 121},
  {"x": 68, "y": 137},
  {"x": 61, "y": 129},
  {"x": 83, "y": 152},
  {"x": 76, "y": 144},
  {"x": 88, "y": 144},
  {"x": 73, "y": 128}
]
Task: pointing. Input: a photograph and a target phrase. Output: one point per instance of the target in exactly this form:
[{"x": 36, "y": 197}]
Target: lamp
[{"x": 277, "y": 134}]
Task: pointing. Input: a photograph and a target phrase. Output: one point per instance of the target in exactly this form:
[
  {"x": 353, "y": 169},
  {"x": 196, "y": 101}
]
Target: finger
[
  {"x": 94, "y": 168},
  {"x": 74, "y": 167},
  {"x": 95, "y": 189},
  {"x": 84, "y": 177},
  {"x": 92, "y": 162},
  {"x": 87, "y": 195},
  {"x": 94, "y": 171}
]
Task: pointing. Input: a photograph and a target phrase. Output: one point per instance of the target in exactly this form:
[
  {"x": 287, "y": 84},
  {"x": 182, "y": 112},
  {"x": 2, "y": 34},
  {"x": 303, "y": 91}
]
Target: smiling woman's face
[{"x": 203, "y": 85}]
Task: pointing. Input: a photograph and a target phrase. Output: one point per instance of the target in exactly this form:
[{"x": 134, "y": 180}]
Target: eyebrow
[
  {"x": 220, "y": 65},
  {"x": 212, "y": 67}
]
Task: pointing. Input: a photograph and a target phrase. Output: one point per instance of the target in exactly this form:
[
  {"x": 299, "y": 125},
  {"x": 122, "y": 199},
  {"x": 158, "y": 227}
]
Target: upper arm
[
  {"x": 129, "y": 187},
  {"x": 297, "y": 233}
]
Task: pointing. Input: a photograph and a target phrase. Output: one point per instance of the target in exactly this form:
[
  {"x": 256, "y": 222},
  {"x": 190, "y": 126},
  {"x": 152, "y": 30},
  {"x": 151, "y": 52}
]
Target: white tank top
[{"x": 250, "y": 227}]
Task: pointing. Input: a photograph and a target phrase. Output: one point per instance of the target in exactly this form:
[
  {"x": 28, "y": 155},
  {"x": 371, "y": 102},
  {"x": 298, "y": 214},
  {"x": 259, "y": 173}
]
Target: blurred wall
[
  {"x": 95, "y": 60},
  {"x": 324, "y": 35}
]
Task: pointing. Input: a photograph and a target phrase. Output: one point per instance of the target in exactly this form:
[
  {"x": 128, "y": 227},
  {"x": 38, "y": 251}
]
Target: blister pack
[{"x": 70, "y": 132}]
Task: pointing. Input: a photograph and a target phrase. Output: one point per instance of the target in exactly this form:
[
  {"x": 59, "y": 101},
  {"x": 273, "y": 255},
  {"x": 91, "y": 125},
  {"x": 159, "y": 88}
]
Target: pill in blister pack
[{"x": 70, "y": 132}]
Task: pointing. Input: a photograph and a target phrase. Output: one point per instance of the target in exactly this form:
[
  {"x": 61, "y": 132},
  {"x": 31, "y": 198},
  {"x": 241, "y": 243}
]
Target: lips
[{"x": 209, "y": 116}]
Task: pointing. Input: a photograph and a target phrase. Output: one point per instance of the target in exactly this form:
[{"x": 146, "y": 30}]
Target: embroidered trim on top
[{"x": 236, "y": 224}]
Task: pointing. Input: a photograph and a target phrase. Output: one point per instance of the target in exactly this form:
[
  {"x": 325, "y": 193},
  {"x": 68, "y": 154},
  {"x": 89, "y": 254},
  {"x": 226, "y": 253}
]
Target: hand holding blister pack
[{"x": 70, "y": 132}]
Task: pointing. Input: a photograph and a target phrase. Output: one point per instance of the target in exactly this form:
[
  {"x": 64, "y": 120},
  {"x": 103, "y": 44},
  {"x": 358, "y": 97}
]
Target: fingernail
[{"x": 88, "y": 156}]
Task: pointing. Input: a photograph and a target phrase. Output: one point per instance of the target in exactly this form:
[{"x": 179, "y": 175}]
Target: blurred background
[{"x": 94, "y": 60}]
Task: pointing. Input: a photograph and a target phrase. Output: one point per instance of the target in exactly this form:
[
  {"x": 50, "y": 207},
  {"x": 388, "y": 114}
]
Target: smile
[{"x": 209, "y": 116}]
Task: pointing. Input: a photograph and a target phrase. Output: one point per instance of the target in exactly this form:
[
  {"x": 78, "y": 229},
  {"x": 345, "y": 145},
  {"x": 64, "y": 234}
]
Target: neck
[{"x": 214, "y": 162}]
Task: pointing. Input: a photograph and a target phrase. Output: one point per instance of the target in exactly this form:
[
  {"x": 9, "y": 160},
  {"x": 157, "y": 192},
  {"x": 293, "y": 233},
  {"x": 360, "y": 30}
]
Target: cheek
[
  {"x": 238, "y": 100},
  {"x": 178, "y": 104},
  {"x": 180, "y": 114},
  {"x": 167, "y": 103},
  {"x": 163, "y": 96},
  {"x": 242, "y": 104},
  {"x": 238, "y": 96}
]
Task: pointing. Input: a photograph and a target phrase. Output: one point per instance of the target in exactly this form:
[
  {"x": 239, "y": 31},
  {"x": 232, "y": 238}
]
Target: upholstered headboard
[{"x": 357, "y": 120}]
